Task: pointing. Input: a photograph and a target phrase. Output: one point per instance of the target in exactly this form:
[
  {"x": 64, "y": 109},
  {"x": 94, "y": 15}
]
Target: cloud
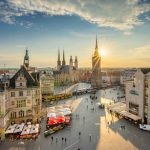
[{"x": 118, "y": 14}]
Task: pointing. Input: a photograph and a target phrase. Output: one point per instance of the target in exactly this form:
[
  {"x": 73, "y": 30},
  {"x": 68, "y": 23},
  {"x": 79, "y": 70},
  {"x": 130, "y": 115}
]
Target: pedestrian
[
  {"x": 87, "y": 106},
  {"x": 52, "y": 138},
  {"x": 83, "y": 118},
  {"x": 65, "y": 139},
  {"x": 62, "y": 139},
  {"x": 90, "y": 137},
  {"x": 108, "y": 123},
  {"x": 79, "y": 133}
]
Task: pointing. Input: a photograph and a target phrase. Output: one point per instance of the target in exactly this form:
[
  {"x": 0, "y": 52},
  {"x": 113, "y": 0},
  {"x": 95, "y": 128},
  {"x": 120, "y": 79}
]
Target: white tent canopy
[
  {"x": 26, "y": 129},
  {"x": 34, "y": 129},
  {"x": 51, "y": 115},
  {"x": 11, "y": 129},
  {"x": 19, "y": 128}
]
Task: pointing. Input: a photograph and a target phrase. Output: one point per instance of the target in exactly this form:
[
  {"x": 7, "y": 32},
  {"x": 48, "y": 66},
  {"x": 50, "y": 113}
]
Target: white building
[
  {"x": 138, "y": 94},
  {"x": 127, "y": 75}
]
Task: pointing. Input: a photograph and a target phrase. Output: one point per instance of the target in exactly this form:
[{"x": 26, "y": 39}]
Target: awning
[
  {"x": 11, "y": 129},
  {"x": 120, "y": 108},
  {"x": 19, "y": 128},
  {"x": 130, "y": 115}
]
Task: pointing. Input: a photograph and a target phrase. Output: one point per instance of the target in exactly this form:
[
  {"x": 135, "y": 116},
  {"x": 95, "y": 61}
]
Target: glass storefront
[{"x": 133, "y": 108}]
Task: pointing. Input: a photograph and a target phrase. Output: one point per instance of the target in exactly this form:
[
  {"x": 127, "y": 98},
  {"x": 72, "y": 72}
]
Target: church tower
[
  {"x": 58, "y": 61},
  {"x": 71, "y": 61},
  {"x": 26, "y": 59},
  {"x": 63, "y": 61},
  {"x": 96, "y": 68},
  {"x": 76, "y": 62}
]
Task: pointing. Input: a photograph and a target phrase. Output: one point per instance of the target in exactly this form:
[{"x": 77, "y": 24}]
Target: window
[
  {"x": 28, "y": 93},
  {"x": 13, "y": 115},
  {"x": 12, "y": 94},
  {"x": 20, "y": 84},
  {"x": 28, "y": 101},
  {"x": 21, "y": 113},
  {"x": 146, "y": 83},
  {"x": 21, "y": 103},
  {"x": 20, "y": 93},
  {"x": 133, "y": 108}
]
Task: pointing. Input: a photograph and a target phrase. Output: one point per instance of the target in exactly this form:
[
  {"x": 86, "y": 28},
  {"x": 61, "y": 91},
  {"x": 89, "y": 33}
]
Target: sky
[{"x": 44, "y": 26}]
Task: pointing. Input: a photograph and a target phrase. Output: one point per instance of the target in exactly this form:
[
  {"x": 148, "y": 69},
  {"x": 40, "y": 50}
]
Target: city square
[{"x": 94, "y": 126}]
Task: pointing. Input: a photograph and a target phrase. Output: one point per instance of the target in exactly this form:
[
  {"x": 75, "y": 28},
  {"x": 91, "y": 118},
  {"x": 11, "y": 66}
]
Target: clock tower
[{"x": 26, "y": 59}]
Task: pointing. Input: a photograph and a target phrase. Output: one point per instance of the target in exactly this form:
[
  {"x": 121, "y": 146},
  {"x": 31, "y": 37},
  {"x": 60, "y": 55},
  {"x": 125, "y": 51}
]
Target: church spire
[
  {"x": 71, "y": 61},
  {"x": 58, "y": 61},
  {"x": 58, "y": 55},
  {"x": 63, "y": 55},
  {"x": 63, "y": 61},
  {"x": 96, "y": 47},
  {"x": 76, "y": 62}
]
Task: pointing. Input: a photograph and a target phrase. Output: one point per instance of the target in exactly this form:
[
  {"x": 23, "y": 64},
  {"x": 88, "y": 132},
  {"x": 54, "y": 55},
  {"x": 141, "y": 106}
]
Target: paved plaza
[{"x": 99, "y": 130}]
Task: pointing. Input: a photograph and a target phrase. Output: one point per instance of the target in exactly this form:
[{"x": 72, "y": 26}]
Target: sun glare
[{"x": 102, "y": 52}]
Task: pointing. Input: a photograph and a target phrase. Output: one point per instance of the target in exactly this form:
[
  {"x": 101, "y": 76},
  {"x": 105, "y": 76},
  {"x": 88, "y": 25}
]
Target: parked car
[{"x": 48, "y": 132}]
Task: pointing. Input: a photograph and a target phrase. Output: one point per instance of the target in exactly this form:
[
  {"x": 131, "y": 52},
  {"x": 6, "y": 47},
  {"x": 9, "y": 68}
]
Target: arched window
[
  {"x": 21, "y": 113},
  {"x": 13, "y": 115}
]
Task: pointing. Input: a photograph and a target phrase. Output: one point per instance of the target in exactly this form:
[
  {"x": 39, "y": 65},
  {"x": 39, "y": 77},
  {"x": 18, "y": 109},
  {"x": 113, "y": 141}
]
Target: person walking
[
  {"x": 79, "y": 134},
  {"x": 52, "y": 138},
  {"x": 62, "y": 139},
  {"x": 90, "y": 137},
  {"x": 65, "y": 139}
]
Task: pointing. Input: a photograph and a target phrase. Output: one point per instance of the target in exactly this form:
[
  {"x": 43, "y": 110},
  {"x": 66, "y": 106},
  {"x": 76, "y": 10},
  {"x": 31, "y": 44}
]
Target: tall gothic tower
[
  {"x": 63, "y": 61},
  {"x": 58, "y": 61},
  {"x": 26, "y": 59},
  {"x": 96, "y": 68},
  {"x": 76, "y": 62},
  {"x": 71, "y": 61}
]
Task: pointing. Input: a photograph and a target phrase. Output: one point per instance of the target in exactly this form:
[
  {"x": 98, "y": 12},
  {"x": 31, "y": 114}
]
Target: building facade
[
  {"x": 47, "y": 84},
  {"x": 24, "y": 96},
  {"x": 4, "y": 119},
  {"x": 127, "y": 75},
  {"x": 111, "y": 77},
  {"x": 138, "y": 95},
  {"x": 20, "y": 96},
  {"x": 96, "y": 79}
]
